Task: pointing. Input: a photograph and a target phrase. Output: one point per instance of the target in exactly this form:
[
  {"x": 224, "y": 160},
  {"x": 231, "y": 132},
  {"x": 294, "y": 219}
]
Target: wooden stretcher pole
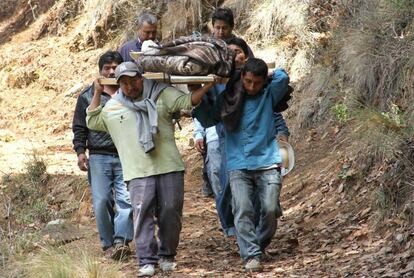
[{"x": 172, "y": 79}]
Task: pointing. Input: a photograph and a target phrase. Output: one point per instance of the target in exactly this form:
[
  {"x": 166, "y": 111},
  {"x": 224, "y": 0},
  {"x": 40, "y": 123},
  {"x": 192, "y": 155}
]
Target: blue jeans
[
  {"x": 206, "y": 190},
  {"x": 107, "y": 183},
  {"x": 224, "y": 200},
  {"x": 213, "y": 163},
  {"x": 255, "y": 231}
]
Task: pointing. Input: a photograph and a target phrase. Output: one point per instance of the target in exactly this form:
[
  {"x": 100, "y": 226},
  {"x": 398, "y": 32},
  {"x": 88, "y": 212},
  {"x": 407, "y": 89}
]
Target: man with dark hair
[
  {"x": 253, "y": 157},
  {"x": 147, "y": 30},
  {"x": 246, "y": 109},
  {"x": 138, "y": 119},
  {"x": 104, "y": 169},
  {"x": 223, "y": 24},
  {"x": 239, "y": 46},
  {"x": 214, "y": 153}
]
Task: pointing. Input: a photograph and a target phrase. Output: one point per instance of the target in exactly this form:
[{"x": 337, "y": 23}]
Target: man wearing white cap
[{"x": 138, "y": 118}]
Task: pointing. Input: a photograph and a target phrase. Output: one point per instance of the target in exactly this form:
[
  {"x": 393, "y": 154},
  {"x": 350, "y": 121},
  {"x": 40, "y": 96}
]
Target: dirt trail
[
  {"x": 326, "y": 230},
  {"x": 320, "y": 235}
]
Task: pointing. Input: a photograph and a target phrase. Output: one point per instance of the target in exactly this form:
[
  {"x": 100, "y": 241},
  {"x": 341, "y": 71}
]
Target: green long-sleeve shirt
[{"x": 120, "y": 123}]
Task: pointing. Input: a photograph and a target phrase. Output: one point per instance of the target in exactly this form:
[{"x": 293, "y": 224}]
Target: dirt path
[
  {"x": 318, "y": 236},
  {"x": 325, "y": 231}
]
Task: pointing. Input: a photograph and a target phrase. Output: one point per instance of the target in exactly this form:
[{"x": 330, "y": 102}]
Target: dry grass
[
  {"x": 275, "y": 19},
  {"x": 54, "y": 263},
  {"x": 93, "y": 29},
  {"x": 192, "y": 18},
  {"x": 370, "y": 63},
  {"x": 387, "y": 157},
  {"x": 379, "y": 71},
  {"x": 242, "y": 13},
  {"x": 113, "y": 22},
  {"x": 377, "y": 134},
  {"x": 364, "y": 81},
  {"x": 58, "y": 18},
  {"x": 377, "y": 67},
  {"x": 315, "y": 101},
  {"x": 377, "y": 56},
  {"x": 14, "y": 246},
  {"x": 394, "y": 196},
  {"x": 8, "y": 8},
  {"x": 17, "y": 15},
  {"x": 27, "y": 207}
]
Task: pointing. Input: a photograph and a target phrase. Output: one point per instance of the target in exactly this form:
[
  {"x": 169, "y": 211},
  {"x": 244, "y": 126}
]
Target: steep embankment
[{"x": 348, "y": 204}]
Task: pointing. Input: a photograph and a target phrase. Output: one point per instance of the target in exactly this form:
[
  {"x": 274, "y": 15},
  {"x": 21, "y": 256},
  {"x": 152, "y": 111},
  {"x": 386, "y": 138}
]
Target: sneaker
[
  {"x": 146, "y": 270},
  {"x": 253, "y": 264},
  {"x": 167, "y": 264},
  {"x": 121, "y": 251}
]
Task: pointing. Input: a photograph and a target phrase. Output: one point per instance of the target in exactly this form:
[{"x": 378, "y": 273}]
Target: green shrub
[
  {"x": 41, "y": 211},
  {"x": 37, "y": 212},
  {"x": 36, "y": 168},
  {"x": 340, "y": 112},
  {"x": 394, "y": 117},
  {"x": 6, "y": 178},
  {"x": 401, "y": 4}
]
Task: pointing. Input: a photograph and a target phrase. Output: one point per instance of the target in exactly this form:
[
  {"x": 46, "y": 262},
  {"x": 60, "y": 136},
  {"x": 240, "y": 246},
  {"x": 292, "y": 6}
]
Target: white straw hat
[{"x": 288, "y": 157}]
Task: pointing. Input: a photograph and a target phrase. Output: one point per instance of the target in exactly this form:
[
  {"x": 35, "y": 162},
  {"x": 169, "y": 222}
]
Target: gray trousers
[
  {"x": 157, "y": 200},
  {"x": 248, "y": 186}
]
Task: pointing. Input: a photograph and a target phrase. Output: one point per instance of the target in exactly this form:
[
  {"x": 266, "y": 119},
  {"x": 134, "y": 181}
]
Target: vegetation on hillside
[
  {"x": 362, "y": 81},
  {"x": 351, "y": 116}
]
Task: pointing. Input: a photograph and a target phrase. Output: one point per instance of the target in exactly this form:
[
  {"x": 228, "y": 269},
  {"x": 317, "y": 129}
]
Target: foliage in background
[
  {"x": 36, "y": 168},
  {"x": 29, "y": 202},
  {"x": 341, "y": 112},
  {"x": 367, "y": 72}
]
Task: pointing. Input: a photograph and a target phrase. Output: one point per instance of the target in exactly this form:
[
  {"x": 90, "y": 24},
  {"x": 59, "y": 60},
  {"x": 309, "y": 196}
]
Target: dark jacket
[
  {"x": 132, "y": 45},
  {"x": 97, "y": 142}
]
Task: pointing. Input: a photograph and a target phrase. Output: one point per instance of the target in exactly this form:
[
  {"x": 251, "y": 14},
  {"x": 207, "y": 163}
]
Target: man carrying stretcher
[{"x": 138, "y": 119}]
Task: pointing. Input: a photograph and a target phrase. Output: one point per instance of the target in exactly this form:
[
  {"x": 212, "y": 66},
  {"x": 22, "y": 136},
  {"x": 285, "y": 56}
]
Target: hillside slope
[{"x": 348, "y": 204}]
